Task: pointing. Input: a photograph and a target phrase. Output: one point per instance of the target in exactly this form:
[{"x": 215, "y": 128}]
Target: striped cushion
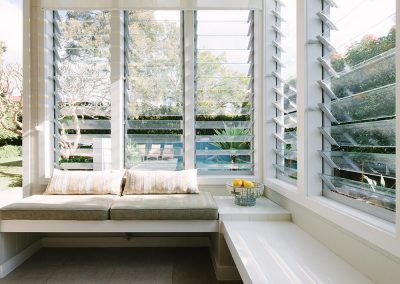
[
  {"x": 85, "y": 182},
  {"x": 161, "y": 182}
]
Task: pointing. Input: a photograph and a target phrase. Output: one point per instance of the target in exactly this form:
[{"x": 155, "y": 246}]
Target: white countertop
[
  {"x": 264, "y": 210},
  {"x": 280, "y": 252}
]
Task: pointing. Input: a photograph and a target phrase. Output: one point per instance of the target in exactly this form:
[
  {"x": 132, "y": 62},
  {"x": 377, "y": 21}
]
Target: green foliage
[
  {"x": 370, "y": 47},
  {"x": 76, "y": 159},
  {"x": 222, "y": 117},
  {"x": 10, "y": 151},
  {"x": 220, "y": 137},
  {"x": 367, "y": 69},
  {"x": 9, "y": 138},
  {"x": 376, "y": 74},
  {"x": 367, "y": 48}
]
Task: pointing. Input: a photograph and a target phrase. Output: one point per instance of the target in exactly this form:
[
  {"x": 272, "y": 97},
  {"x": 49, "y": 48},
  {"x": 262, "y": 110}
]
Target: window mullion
[
  {"x": 117, "y": 89},
  {"x": 309, "y": 96},
  {"x": 397, "y": 218},
  {"x": 269, "y": 112},
  {"x": 189, "y": 88}
]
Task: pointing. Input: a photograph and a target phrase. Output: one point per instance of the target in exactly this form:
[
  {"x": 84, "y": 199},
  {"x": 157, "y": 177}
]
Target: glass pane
[
  {"x": 82, "y": 89},
  {"x": 154, "y": 91},
  {"x": 285, "y": 89},
  {"x": 369, "y": 192},
  {"x": 224, "y": 92},
  {"x": 378, "y": 103},
  {"x": 359, "y": 125},
  {"x": 375, "y": 73},
  {"x": 381, "y": 134},
  {"x": 368, "y": 163}
]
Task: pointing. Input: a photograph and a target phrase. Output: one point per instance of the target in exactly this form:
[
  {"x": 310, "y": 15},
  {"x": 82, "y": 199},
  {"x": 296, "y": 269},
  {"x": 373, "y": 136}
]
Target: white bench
[{"x": 280, "y": 252}]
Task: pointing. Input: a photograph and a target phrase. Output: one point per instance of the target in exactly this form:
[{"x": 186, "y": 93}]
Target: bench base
[
  {"x": 280, "y": 252},
  {"x": 109, "y": 226}
]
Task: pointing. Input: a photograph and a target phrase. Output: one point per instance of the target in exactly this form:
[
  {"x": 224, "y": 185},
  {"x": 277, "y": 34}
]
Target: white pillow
[
  {"x": 85, "y": 182},
  {"x": 160, "y": 182}
]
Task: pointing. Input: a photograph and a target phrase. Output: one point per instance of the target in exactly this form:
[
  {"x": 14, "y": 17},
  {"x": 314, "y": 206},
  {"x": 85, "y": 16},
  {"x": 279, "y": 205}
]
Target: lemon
[
  {"x": 237, "y": 182},
  {"x": 248, "y": 184}
]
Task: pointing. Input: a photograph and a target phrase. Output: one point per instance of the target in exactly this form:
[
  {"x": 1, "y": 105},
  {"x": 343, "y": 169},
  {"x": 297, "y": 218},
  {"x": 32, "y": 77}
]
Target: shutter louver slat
[
  {"x": 154, "y": 90},
  {"x": 81, "y": 87},
  {"x": 359, "y": 106},
  {"x": 224, "y": 107},
  {"x": 285, "y": 104}
]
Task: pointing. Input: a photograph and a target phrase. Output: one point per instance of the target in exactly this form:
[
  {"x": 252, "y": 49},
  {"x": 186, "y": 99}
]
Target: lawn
[{"x": 10, "y": 173}]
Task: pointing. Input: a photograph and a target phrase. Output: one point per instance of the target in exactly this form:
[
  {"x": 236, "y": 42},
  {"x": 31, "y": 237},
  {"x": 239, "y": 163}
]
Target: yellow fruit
[
  {"x": 237, "y": 182},
  {"x": 248, "y": 184}
]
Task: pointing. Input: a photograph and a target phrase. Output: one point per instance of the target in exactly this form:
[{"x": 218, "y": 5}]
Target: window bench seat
[
  {"x": 280, "y": 252},
  {"x": 108, "y": 213}
]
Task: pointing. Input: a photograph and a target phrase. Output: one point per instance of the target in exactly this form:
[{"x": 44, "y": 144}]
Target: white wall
[
  {"x": 375, "y": 263},
  {"x": 12, "y": 244}
]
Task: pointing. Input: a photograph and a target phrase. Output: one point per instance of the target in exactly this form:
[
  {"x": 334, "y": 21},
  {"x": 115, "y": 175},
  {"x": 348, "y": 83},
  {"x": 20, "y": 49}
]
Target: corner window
[{"x": 359, "y": 100}]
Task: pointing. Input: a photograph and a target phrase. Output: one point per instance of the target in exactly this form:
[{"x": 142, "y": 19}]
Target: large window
[
  {"x": 155, "y": 69},
  {"x": 285, "y": 90},
  {"x": 81, "y": 88},
  {"x": 359, "y": 104},
  {"x": 224, "y": 92},
  {"x": 154, "y": 93}
]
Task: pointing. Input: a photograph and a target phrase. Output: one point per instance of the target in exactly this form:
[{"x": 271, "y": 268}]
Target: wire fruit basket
[{"x": 246, "y": 196}]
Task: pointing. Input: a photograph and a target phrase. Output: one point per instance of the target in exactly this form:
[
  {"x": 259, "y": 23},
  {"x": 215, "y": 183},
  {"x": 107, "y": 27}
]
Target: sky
[{"x": 11, "y": 29}]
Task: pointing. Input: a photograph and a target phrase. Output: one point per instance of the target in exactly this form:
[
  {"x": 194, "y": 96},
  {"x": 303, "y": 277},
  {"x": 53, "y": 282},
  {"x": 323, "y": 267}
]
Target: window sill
[
  {"x": 223, "y": 179},
  {"x": 372, "y": 229}
]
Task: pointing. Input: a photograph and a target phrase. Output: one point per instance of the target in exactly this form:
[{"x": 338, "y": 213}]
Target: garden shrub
[{"x": 10, "y": 151}]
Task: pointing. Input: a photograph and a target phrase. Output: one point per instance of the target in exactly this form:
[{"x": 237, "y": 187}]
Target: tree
[
  {"x": 10, "y": 96},
  {"x": 366, "y": 81},
  {"x": 368, "y": 47},
  {"x": 154, "y": 79},
  {"x": 83, "y": 76}
]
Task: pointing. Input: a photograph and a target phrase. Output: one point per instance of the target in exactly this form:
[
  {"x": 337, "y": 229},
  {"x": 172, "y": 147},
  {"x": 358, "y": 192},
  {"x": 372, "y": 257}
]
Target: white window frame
[
  {"x": 45, "y": 113},
  {"x": 308, "y": 192}
]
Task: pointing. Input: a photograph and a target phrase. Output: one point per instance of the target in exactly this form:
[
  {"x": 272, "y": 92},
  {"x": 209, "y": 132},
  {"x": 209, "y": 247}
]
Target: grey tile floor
[{"x": 116, "y": 265}]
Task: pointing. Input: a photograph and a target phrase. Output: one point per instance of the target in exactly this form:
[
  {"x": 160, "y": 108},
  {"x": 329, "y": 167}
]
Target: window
[
  {"x": 154, "y": 90},
  {"x": 285, "y": 89},
  {"x": 224, "y": 92},
  {"x": 156, "y": 87},
  {"x": 81, "y": 88},
  {"x": 358, "y": 106}
]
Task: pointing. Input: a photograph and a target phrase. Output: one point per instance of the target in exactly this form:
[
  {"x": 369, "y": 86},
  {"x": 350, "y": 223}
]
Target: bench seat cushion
[
  {"x": 59, "y": 207},
  {"x": 165, "y": 207}
]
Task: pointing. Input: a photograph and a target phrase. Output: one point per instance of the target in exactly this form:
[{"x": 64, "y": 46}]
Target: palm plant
[{"x": 221, "y": 136}]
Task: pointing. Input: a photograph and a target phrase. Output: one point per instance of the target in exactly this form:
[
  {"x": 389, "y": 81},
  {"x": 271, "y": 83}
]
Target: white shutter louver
[
  {"x": 153, "y": 90},
  {"x": 359, "y": 103},
  {"x": 224, "y": 81},
  {"x": 81, "y": 76},
  {"x": 285, "y": 92}
]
